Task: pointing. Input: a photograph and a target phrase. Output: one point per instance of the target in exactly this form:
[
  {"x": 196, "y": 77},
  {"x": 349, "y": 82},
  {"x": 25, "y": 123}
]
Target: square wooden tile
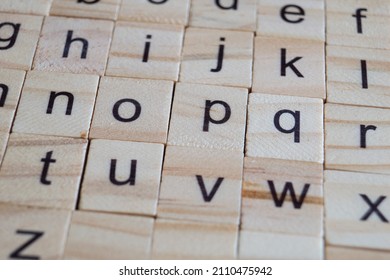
[
  {"x": 3, "y": 145},
  {"x": 94, "y": 236},
  {"x": 53, "y": 104},
  {"x": 235, "y": 15},
  {"x": 19, "y": 36},
  {"x": 217, "y": 57},
  {"x": 35, "y": 7},
  {"x": 73, "y": 45},
  {"x": 358, "y": 76},
  {"x": 347, "y": 253},
  {"x": 155, "y": 11},
  {"x": 11, "y": 82},
  {"x": 122, "y": 177},
  {"x": 132, "y": 110},
  {"x": 210, "y": 117},
  {"x": 356, "y": 138},
  {"x": 289, "y": 67},
  {"x": 42, "y": 171},
  {"x": 285, "y": 127},
  {"x": 32, "y": 233},
  {"x": 201, "y": 185},
  {"x": 145, "y": 50}
]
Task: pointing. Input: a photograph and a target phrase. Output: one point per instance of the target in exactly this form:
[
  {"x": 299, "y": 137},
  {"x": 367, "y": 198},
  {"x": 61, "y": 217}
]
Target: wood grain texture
[
  {"x": 32, "y": 7},
  {"x": 347, "y": 253},
  {"x": 3, "y": 145}
]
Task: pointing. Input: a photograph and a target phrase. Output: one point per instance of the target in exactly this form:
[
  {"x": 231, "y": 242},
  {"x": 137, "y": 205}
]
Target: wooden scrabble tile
[
  {"x": 156, "y": 11},
  {"x": 107, "y": 236},
  {"x": 11, "y": 82},
  {"x": 236, "y": 15},
  {"x": 194, "y": 240},
  {"x": 201, "y": 185},
  {"x": 53, "y": 104},
  {"x": 19, "y": 36},
  {"x": 282, "y": 18},
  {"x": 35, "y": 7},
  {"x": 345, "y": 253},
  {"x": 3, "y": 145},
  {"x": 289, "y": 67},
  {"x": 357, "y": 210},
  {"x": 358, "y": 76},
  {"x": 217, "y": 57},
  {"x": 358, "y": 23},
  {"x": 42, "y": 171},
  {"x": 32, "y": 233},
  {"x": 356, "y": 138},
  {"x": 144, "y": 50},
  {"x": 122, "y": 177},
  {"x": 132, "y": 110},
  {"x": 285, "y": 127},
  {"x": 74, "y": 45},
  {"x": 210, "y": 117},
  {"x": 99, "y": 9}
]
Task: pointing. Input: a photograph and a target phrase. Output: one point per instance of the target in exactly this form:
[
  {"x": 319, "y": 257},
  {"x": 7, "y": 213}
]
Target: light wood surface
[
  {"x": 3, "y": 145},
  {"x": 346, "y": 253},
  {"x": 36, "y": 7}
]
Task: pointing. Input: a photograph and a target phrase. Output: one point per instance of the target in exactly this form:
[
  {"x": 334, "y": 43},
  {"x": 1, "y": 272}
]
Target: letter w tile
[{"x": 288, "y": 188}]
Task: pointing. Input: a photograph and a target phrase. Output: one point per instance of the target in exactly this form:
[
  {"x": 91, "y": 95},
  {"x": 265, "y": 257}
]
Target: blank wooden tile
[
  {"x": 11, "y": 82},
  {"x": 358, "y": 76},
  {"x": 32, "y": 7},
  {"x": 210, "y": 117},
  {"x": 101, "y": 9},
  {"x": 289, "y": 67},
  {"x": 285, "y": 127},
  {"x": 193, "y": 240},
  {"x": 155, "y": 11},
  {"x": 74, "y": 45},
  {"x": 217, "y": 57},
  {"x": 132, "y": 110},
  {"x": 201, "y": 185},
  {"x": 19, "y": 36},
  {"x": 282, "y": 18},
  {"x": 32, "y": 233},
  {"x": 357, "y": 210},
  {"x": 53, "y": 104},
  {"x": 3, "y": 145},
  {"x": 122, "y": 177},
  {"x": 95, "y": 236},
  {"x": 144, "y": 50},
  {"x": 42, "y": 171},
  {"x": 345, "y": 253},
  {"x": 356, "y": 138},
  {"x": 236, "y": 15}
]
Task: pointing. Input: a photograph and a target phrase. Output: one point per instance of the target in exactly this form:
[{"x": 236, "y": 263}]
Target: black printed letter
[
  {"x": 220, "y": 56},
  {"x": 207, "y": 117},
  {"x": 359, "y": 17},
  {"x": 208, "y": 197},
  {"x": 12, "y": 39},
  {"x": 233, "y": 6},
  {"x": 300, "y": 12},
  {"x": 46, "y": 163},
  {"x": 147, "y": 49},
  {"x": 363, "y": 65},
  {"x": 297, "y": 125},
  {"x": 4, "y": 93},
  {"x": 16, "y": 254},
  {"x": 288, "y": 187},
  {"x": 363, "y": 134},
  {"x": 373, "y": 208},
  {"x": 137, "y": 112},
  {"x": 88, "y": 1},
  {"x": 70, "y": 40},
  {"x": 131, "y": 180},
  {"x": 54, "y": 95},
  {"x": 284, "y": 65}
]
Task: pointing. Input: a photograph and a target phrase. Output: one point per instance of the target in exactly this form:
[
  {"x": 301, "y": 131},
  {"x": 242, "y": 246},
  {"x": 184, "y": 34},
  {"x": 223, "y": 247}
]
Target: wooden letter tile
[
  {"x": 217, "y": 57},
  {"x": 33, "y": 7},
  {"x": 285, "y": 127},
  {"x": 95, "y": 236},
  {"x": 74, "y": 45},
  {"x": 122, "y": 177},
  {"x": 19, "y": 36},
  {"x": 54, "y": 104},
  {"x": 132, "y": 110},
  {"x": 347, "y": 253},
  {"x": 144, "y": 50},
  {"x": 3, "y": 145},
  {"x": 211, "y": 117},
  {"x": 42, "y": 171}
]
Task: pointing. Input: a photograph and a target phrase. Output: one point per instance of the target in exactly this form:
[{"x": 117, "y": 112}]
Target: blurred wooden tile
[
  {"x": 19, "y": 36},
  {"x": 201, "y": 185},
  {"x": 155, "y": 11},
  {"x": 357, "y": 210},
  {"x": 53, "y": 104},
  {"x": 285, "y": 127},
  {"x": 95, "y": 236},
  {"x": 3, "y": 145},
  {"x": 122, "y": 177},
  {"x": 32, "y": 233},
  {"x": 11, "y": 82},
  {"x": 192, "y": 240},
  {"x": 32, "y": 7},
  {"x": 99, "y": 9},
  {"x": 236, "y": 15},
  {"x": 345, "y": 253},
  {"x": 356, "y": 138},
  {"x": 282, "y": 18},
  {"x": 74, "y": 45},
  {"x": 358, "y": 76},
  {"x": 145, "y": 50},
  {"x": 42, "y": 171},
  {"x": 289, "y": 67},
  {"x": 132, "y": 110},
  {"x": 210, "y": 117},
  {"x": 217, "y": 57}
]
